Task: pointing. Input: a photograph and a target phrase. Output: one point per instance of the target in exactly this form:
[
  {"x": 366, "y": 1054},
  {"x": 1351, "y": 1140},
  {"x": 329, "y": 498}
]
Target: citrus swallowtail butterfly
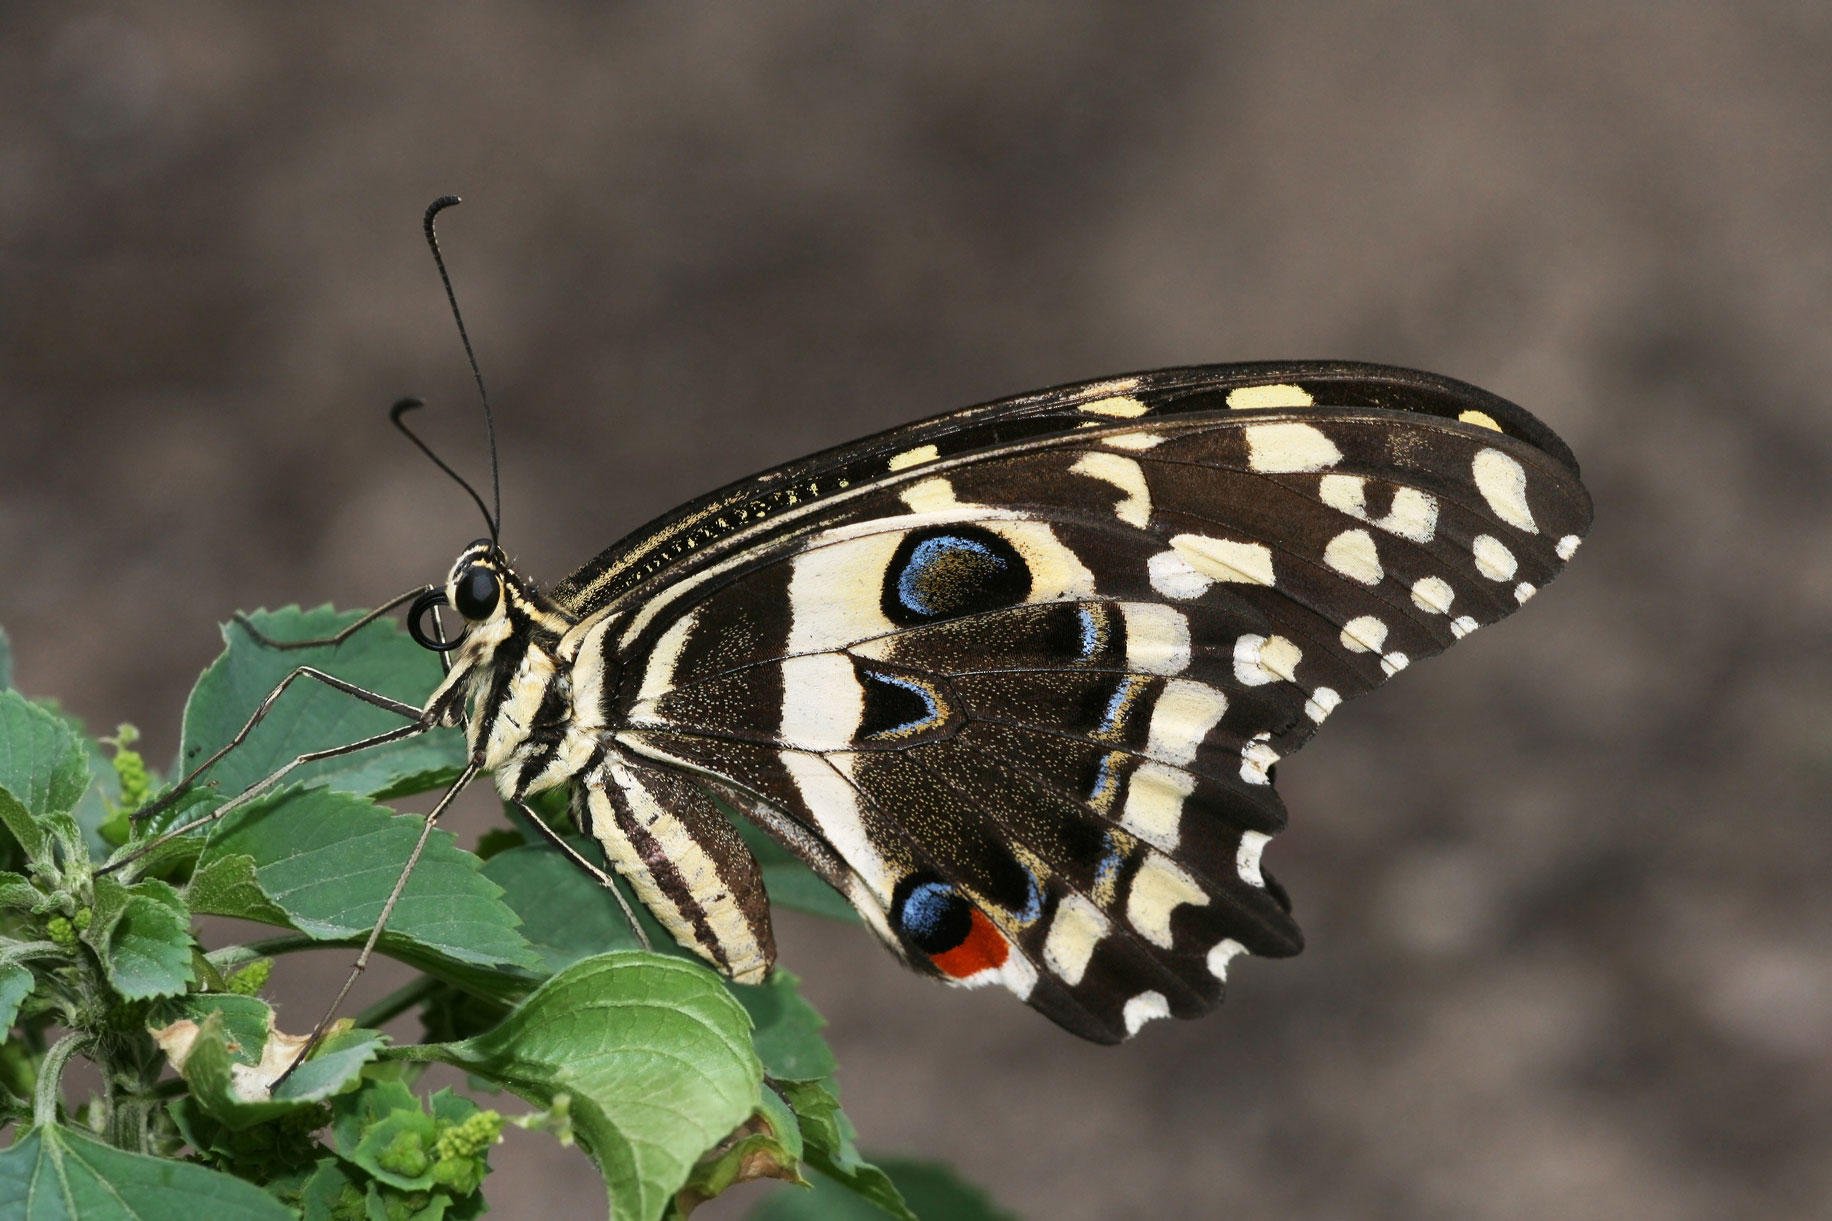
[{"x": 1013, "y": 680}]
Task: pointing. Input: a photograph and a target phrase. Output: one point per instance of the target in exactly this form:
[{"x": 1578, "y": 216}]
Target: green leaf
[
  {"x": 43, "y": 772},
  {"x": 787, "y": 1030},
  {"x": 61, "y": 1174},
  {"x": 565, "y": 914},
  {"x": 931, "y": 1191},
  {"x": 327, "y": 861},
  {"x": 655, "y": 1055},
  {"x": 312, "y": 716},
  {"x": 832, "y": 1145},
  {"x": 6, "y": 661},
  {"x": 18, "y": 894},
  {"x": 15, "y": 986},
  {"x": 142, "y": 935}
]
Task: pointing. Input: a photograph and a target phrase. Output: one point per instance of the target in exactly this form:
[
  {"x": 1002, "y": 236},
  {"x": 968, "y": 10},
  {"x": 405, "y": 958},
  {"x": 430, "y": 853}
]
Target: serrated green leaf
[
  {"x": 312, "y": 716},
  {"x": 932, "y": 1191},
  {"x": 832, "y": 1145},
  {"x": 15, "y": 986},
  {"x": 42, "y": 773},
  {"x": 227, "y": 886},
  {"x": 565, "y": 914},
  {"x": 787, "y": 1030},
  {"x": 61, "y": 1174},
  {"x": 655, "y": 1054},
  {"x": 327, "y": 861},
  {"x": 142, "y": 935}
]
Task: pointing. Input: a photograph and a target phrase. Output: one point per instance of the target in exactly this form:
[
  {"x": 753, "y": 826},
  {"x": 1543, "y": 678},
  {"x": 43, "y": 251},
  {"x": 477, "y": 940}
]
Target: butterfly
[{"x": 1013, "y": 680}]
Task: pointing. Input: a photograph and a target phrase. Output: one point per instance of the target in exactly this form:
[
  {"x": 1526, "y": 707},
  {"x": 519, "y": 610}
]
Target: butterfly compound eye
[{"x": 477, "y": 592}]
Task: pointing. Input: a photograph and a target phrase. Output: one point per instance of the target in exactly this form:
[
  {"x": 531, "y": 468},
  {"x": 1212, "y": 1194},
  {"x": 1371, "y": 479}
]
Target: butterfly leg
[
  {"x": 262, "y": 785},
  {"x": 576, "y": 857},
  {"x": 412, "y": 713},
  {"x": 261, "y": 638},
  {"x": 381, "y": 921}
]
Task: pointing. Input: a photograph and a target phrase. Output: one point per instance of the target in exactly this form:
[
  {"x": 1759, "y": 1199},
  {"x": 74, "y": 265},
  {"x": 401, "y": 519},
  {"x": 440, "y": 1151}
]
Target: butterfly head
[{"x": 497, "y": 605}]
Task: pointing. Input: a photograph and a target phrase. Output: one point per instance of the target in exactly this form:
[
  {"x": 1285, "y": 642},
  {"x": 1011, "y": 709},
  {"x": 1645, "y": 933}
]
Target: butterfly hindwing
[{"x": 1015, "y": 680}]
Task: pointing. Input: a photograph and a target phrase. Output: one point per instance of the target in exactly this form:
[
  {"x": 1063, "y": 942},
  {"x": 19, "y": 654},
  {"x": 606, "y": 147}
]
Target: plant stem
[{"x": 50, "y": 1077}]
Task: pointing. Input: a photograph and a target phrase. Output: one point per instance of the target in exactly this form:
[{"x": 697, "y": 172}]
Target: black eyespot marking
[
  {"x": 477, "y": 592},
  {"x": 946, "y": 571},
  {"x": 898, "y": 706},
  {"x": 933, "y": 915}
]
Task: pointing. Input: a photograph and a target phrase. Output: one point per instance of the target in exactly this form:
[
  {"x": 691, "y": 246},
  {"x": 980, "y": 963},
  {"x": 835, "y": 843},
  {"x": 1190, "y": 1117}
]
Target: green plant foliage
[
  {"x": 677, "y": 1084},
  {"x": 380, "y": 658},
  {"x": 655, "y": 1055},
  {"x": 58, "y": 1173}
]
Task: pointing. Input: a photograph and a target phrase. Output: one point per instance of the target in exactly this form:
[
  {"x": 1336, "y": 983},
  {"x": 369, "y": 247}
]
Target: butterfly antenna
[
  {"x": 489, "y": 419},
  {"x": 394, "y": 417}
]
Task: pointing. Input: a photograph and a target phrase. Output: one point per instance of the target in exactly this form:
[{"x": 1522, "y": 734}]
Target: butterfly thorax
[{"x": 507, "y": 683}]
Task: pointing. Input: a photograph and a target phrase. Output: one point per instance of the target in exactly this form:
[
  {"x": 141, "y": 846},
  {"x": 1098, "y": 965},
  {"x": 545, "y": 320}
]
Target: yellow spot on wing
[
  {"x": 913, "y": 457},
  {"x": 1481, "y": 419},
  {"x": 1123, "y": 406},
  {"x": 1282, "y": 395}
]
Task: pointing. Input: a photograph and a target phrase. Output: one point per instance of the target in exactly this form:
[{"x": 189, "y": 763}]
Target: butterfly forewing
[{"x": 1015, "y": 679}]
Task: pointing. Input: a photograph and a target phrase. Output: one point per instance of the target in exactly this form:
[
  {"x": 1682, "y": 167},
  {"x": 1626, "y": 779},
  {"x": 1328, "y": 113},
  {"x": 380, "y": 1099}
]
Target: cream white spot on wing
[
  {"x": 913, "y": 457},
  {"x": 1154, "y": 804},
  {"x": 1075, "y": 930},
  {"x": 1157, "y": 637},
  {"x": 1259, "y": 660},
  {"x": 1256, "y": 758},
  {"x": 1364, "y": 634},
  {"x": 1143, "y": 1008},
  {"x": 829, "y": 605},
  {"x": 1123, "y": 473},
  {"x": 1503, "y": 483},
  {"x": 1481, "y": 419},
  {"x": 1120, "y": 406},
  {"x": 1345, "y": 494},
  {"x": 1414, "y": 514},
  {"x": 1433, "y": 594},
  {"x": 1286, "y": 447},
  {"x": 1222, "y": 559},
  {"x": 930, "y": 496},
  {"x": 1224, "y": 953},
  {"x": 1244, "y": 398},
  {"x": 1181, "y": 716},
  {"x": 1172, "y": 576},
  {"x": 1352, "y": 554},
  {"x": 1568, "y": 546},
  {"x": 1159, "y": 888},
  {"x": 1247, "y": 857},
  {"x": 1393, "y": 663},
  {"x": 1462, "y": 626},
  {"x": 1493, "y": 559},
  {"x": 1132, "y": 440},
  {"x": 1523, "y": 591},
  {"x": 1321, "y": 703}
]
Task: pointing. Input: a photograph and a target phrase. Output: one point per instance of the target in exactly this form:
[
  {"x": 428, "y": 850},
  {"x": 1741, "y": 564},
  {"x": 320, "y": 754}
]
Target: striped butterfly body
[{"x": 1014, "y": 680}]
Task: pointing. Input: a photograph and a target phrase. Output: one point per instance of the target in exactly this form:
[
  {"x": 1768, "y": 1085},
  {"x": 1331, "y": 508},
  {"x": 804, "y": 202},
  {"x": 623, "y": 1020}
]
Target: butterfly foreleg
[
  {"x": 411, "y": 712},
  {"x": 381, "y": 922}
]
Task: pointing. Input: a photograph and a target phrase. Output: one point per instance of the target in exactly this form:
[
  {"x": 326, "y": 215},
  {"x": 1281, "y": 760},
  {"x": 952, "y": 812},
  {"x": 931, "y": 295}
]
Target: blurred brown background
[{"x": 1566, "y": 891}]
